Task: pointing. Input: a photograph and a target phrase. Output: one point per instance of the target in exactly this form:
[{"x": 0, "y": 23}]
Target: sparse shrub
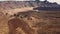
[
  {"x": 6, "y": 13},
  {"x": 29, "y": 18},
  {"x": 25, "y": 15},
  {"x": 21, "y": 17},
  {"x": 17, "y": 15},
  {"x": 14, "y": 14},
  {"x": 11, "y": 15}
]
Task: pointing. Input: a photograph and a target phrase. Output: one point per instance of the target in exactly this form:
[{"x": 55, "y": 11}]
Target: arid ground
[
  {"x": 29, "y": 21},
  {"x": 42, "y": 22}
]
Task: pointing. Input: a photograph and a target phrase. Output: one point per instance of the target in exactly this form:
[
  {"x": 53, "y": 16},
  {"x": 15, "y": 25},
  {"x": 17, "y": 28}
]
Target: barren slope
[{"x": 43, "y": 22}]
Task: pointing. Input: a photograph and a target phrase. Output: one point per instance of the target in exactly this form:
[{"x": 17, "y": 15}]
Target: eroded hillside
[
  {"x": 35, "y": 22},
  {"x": 42, "y": 22}
]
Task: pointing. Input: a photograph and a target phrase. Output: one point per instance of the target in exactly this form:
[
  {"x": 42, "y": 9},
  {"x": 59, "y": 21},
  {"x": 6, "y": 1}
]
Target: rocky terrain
[{"x": 39, "y": 22}]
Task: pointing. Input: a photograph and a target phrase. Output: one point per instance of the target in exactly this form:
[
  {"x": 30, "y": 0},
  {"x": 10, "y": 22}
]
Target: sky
[{"x": 58, "y": 1}]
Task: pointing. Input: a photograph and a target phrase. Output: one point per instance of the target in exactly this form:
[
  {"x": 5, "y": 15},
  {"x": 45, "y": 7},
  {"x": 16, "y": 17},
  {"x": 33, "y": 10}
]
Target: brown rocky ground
[{"x": 42, "y": 22}]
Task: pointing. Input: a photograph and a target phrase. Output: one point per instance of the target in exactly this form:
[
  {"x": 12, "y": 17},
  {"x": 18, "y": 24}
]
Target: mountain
[
  {"x": 16, "y": 4},
  {"x": 48, "y": 6},
  {"x": 6, "y": 5}
]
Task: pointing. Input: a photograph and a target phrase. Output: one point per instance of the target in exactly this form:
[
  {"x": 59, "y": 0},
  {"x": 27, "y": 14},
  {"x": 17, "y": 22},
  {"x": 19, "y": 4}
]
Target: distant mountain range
[
  {"x": 18, "y": 4},
  {"x": 48, "y": 6}
]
